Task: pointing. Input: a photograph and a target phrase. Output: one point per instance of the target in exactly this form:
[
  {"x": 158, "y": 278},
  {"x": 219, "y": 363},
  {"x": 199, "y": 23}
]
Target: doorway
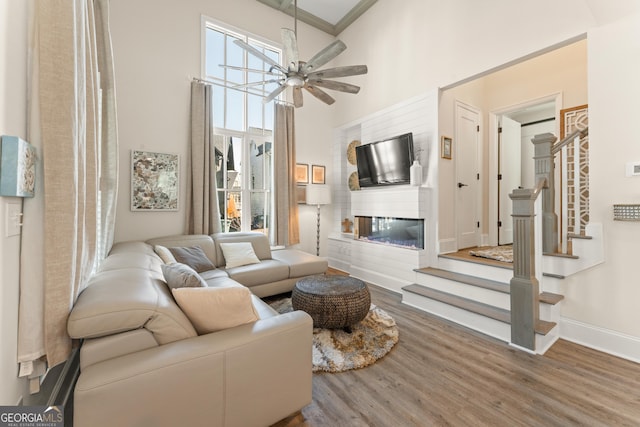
[{"x": 513, "y": 162}]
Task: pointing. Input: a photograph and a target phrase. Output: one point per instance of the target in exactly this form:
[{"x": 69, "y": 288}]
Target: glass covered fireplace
[{"x": 403, "y": 232}]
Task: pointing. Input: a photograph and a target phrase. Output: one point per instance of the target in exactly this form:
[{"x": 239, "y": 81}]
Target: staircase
[
  {"x": 481, "y": 296},
  {"x": 477, "y": 296}
]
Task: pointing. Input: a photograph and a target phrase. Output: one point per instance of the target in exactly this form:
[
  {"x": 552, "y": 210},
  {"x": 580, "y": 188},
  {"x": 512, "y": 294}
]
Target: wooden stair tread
[
  {"x": 542, "y": 327},
  {"x": 478, "y": 260},
  {"x": 550, "y": 298},
  {"x": 467, "y": 279},
  {"x": 560, "y": 255}
]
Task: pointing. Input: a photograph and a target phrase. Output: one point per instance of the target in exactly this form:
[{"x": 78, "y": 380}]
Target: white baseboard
[
  {"x": 484, "y": 240},
  {"x": 605, "y": 340},
  {"x": 448, "y": 245}
]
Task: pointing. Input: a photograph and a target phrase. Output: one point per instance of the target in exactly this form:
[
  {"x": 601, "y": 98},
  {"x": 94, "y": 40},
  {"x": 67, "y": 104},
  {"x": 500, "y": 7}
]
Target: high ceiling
[{"x": 330, "y": 16}]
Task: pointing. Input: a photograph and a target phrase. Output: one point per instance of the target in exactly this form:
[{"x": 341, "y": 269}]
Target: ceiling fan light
[{"x": 295, "y": 81}]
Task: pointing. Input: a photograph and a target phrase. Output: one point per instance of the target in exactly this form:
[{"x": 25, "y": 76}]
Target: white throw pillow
[
  {"x": 215, "y": 309},
  {"x": 239, "y": 253},
  {"x": 165, "y": 254}
]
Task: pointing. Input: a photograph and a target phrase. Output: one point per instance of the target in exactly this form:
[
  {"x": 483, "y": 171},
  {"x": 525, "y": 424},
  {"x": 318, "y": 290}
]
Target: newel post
[
  {"x": 544, "y": 168},
  {"x": 525, "y": 289}
]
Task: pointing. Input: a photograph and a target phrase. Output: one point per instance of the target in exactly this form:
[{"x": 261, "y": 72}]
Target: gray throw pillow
[
  {"x": 194, "y": 257},
  {"x": 181, "y": 276}
]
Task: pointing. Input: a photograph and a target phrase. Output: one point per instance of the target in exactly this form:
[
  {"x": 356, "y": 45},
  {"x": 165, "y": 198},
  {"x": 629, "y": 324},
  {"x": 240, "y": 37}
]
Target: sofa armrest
[{"x": 253, "y": 374}]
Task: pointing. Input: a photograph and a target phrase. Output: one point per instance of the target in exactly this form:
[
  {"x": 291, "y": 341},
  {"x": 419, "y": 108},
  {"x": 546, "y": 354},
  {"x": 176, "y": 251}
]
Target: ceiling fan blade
[
  {"x": 274, "y": 94},
  {"x": 320, "y": 94},
  {"x": 342, "y": 87},
  {"x": 290, "y": 48},
  {"x": 349, "y": 70},
  {"x": 297, "y": 97},
  {"x": 251, "y": 70},
  {"x": 255, "y": 52},
  {"x": 324, "y": 56},
  {"x": 262, "y": 82}
]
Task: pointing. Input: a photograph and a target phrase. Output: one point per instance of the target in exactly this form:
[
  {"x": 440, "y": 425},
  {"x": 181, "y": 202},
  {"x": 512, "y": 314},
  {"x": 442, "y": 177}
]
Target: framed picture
[
  {"x": 154, "y": 181},
  {"x": 317, "y": 174},
  {"x": 446, "y": 147},
  {"x": 302, "y": 173},
  {"x": 17, "y": 167}
]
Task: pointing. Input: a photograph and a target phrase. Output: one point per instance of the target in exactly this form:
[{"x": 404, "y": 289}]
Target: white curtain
[
  {"x": 203, "y": 211},
  {"x": 287, "y": 228},
  {"x": 68, "y": 225}
]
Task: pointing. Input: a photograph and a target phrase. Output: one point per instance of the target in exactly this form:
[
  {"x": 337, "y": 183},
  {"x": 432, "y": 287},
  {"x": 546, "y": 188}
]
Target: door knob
[{"x": 460, "y": 185}]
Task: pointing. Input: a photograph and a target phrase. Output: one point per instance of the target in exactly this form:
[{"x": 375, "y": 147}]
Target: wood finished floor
[{"x": 442, "y": 374}]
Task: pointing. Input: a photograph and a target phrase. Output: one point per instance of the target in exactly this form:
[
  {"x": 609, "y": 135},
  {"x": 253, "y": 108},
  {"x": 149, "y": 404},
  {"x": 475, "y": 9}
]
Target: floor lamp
[{"x": 318, "y": 195}]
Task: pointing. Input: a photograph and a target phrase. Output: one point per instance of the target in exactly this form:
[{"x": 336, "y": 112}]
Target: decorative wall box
[{"x": 17, "y": 167}]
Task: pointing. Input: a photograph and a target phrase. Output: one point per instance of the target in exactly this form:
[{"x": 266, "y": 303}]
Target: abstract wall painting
[{"x": 154, "y": 181}]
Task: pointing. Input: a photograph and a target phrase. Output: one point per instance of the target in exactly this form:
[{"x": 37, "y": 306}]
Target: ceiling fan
[{"x": 304, "y": 75}]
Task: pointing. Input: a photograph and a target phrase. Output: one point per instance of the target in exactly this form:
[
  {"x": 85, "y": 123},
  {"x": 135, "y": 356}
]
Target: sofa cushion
[
  {"x": 267, "y": 271},
  {"x": 124, "y": 300},
  {"x": 259, "y": 241},
  {"x": 237, "y": 254},
  {"x": 192, "y": 256},
  {"x": 178, "y": 275},
  {"x": 214, "y": 309},
  {"x": 301, "y": 263},
  {"x": 165, "y": 254}
]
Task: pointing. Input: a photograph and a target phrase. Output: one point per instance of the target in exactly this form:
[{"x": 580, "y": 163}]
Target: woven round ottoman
[{"x": 332, "y": 301}]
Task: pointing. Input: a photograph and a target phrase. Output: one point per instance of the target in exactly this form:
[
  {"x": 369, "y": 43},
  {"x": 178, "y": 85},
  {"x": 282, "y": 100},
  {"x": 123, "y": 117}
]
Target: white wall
[
  {"x": 13, "y": 105},
  {"x": 156, "y": 50}
]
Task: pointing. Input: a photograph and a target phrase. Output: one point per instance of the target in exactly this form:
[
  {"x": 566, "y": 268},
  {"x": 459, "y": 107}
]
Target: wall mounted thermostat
[{"x": 633, "y": 169}]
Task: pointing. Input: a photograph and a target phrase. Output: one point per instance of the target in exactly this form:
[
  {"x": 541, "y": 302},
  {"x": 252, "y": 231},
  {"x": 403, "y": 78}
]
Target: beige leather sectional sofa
[{"x": 144, "y": 364}]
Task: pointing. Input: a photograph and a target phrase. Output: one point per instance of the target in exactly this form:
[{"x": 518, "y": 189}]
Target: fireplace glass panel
[{"x": 402, "y": 232}]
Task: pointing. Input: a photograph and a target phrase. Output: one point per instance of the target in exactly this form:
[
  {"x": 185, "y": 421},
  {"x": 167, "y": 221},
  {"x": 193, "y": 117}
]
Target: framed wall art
[
  {"x": 302, "y": 173},
  {"x": 317, "y": 174},
  {"x": 17, "y": 167},
  {"x": 154, "y": 181},
  {"x": 447, "y": 143}
]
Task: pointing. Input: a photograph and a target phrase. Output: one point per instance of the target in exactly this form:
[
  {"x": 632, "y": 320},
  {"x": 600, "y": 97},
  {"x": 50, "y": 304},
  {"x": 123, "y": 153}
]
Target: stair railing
[
  {"x": 545, "y": 151},
  {"x": 528, "y": 221}
]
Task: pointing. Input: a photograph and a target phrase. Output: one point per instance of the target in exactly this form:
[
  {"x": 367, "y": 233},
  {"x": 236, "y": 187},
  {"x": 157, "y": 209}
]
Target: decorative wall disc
[
  {"x": 354, "y": 183},
  {"x": 351, "y": 151}
]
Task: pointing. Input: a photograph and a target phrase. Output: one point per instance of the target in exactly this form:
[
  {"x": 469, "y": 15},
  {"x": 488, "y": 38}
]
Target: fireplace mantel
[{"x": 399, "y": 201}]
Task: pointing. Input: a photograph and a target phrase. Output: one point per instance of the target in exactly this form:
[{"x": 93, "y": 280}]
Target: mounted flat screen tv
[{"x": 386, "y": 162}]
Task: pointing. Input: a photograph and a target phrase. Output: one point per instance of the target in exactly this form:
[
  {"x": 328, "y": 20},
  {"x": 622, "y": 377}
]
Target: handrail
[
  {"x": 541, "y": 184},
  {"x": 567, "y": 139}
]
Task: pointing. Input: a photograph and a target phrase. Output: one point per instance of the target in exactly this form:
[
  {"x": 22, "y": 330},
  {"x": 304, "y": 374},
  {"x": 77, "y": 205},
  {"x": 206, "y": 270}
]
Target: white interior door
[
  {"x": 467, "y": 186},
  {"x": 509, "y": 175}
]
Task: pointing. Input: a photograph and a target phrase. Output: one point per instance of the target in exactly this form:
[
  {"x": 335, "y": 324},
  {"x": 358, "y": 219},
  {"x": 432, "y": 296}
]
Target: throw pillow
[
  {"x": 179, "y": 275},
  {"x": 194, "y": 257},
  {"x": 214, "y": 309},
  {"x": 238, "y": 254},
  {"x": 165, "y": 254}
]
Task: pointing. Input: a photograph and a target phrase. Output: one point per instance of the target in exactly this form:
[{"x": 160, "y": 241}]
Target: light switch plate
[{"x": 13, "y": 219}]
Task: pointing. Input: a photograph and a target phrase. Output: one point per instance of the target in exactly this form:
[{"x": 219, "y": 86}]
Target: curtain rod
[{"x": 211, "y": 82}]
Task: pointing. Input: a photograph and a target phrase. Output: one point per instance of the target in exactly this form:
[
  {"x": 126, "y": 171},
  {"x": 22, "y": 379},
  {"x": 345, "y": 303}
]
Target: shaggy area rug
[
  {"x": 498, "y": 253},
  {"x": 335, "y": 350}
]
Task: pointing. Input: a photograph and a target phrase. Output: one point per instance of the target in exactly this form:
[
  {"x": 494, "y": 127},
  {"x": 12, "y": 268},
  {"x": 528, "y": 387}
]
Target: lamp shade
[{"x": 318, "y": 194}]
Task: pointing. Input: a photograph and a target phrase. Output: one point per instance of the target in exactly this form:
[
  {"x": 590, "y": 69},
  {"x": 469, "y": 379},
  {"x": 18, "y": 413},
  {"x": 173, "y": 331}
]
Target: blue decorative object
[{"x": 17, "y": 167}]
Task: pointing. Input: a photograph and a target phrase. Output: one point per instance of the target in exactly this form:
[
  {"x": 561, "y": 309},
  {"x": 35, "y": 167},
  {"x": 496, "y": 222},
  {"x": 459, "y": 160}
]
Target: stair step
[
  {"x": 559, "y": 255},
  {"x": 542, "y": 327},
  {"x": 467, "y": 279},
  {"x": 550, "y": 298},
  {"x": 579, "y": 236}
]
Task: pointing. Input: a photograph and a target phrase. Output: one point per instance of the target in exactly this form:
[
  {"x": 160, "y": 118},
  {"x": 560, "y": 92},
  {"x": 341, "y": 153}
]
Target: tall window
[{"x": 243, "y": 127}]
